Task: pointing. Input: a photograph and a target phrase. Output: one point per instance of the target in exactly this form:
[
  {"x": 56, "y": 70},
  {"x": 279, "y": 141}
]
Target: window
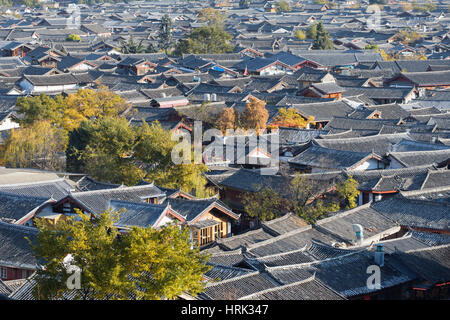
[
  {"x": 3, "y": 273},
  {"x": 222, "y": 229},
  {"x": 205, "y": 236},
  {"x": 149, "y": 200},
  {"x": 216, "y": 231}
]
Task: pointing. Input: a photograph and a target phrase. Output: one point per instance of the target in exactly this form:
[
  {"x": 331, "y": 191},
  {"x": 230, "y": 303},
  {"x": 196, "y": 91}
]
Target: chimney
[
  {"x": 379, "y": 255},
  {"x": 358, "y": 229}
]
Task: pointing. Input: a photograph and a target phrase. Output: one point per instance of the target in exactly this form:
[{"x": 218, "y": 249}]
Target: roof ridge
[
  {"x": 304, "y": 249},
  {"x": 31, "y": 183},
  {"x": 276, "y": 238},
  {"x": 18, "y": 227},
  {"x": 233, "y": 279},
  {"x": 306, "y": 264},
  {"x": 311, "y": 278},
  {"x": 447, "y": 245},
  {"x": 144, "y": 204},
  {"x": 115, "y": 189},
  {"x": 226, "y": 253},
  {"x": 342, "y": 213}
]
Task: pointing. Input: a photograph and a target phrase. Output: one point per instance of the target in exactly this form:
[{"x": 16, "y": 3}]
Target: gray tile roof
[
  {"x": 379, "y": 144},
  {"x": 97, "y": 201},
  {"x": 55, "y": 189},
  {"x": 430, "y": 264},
  {"x": 309, "y": 289},
  {"x": 284, "y": 224},
  {"x": 323, "y": 111},
  {"x": 13, "y": 207},
  {"x": 346, "y": 275},
  {"x": 137, "y": 214},
  {"x": 375, "y": 225},
  {"x": 420, "y": 158},
  {"x": 237, "y": 287},
  {"x": 290, "y": 241},
  {"x": 245, "y": 239},
  {"x": 15, "y": 251},
  {"x": 191, "y": 209},
  {"x": 415, "y": 213},
  {"x": 319, "y": 157},
  {"x": 220, "y": 273}
]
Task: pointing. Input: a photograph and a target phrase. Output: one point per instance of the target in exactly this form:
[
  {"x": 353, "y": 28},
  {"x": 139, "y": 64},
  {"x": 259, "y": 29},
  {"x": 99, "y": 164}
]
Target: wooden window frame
[{"x": 3, "y": 273}]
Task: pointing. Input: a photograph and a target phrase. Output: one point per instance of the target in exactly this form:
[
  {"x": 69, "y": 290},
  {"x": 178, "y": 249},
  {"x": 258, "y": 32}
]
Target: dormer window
[{"x": 149, "y": 200}]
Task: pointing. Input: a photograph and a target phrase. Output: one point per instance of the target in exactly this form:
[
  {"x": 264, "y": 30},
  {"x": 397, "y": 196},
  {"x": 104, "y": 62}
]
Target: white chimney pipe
[{"x": 358, "y": 229}]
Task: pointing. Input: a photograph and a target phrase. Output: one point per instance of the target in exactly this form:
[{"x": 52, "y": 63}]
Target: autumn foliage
[
  {"x": 291, "y": 118},
  {"x": 255, "y": 115}
]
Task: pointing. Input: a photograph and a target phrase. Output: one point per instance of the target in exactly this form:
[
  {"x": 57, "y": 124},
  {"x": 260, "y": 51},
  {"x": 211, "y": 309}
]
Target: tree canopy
[
  {"x": 226, "y": 120},
  {"x": 68, "y": 112},
  {"x": 255, "y": 115},
  {"x": 73, "y": 37},
  {"x": 41, "y": 145},
  {"x": 141, "y": 264},
  {"x": 206, "y": 39},
  {"x": 301, "y": 198},
  {"x": 283, "y": 6},
  {"x": 165, "y": 38},
  {"x": 291, "y": 118},
  {"x": 322, "y": 40}
]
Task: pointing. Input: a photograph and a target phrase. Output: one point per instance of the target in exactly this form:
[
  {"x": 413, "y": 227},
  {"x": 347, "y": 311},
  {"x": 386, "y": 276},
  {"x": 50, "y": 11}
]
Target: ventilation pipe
[{"x": 379, "y": 255}]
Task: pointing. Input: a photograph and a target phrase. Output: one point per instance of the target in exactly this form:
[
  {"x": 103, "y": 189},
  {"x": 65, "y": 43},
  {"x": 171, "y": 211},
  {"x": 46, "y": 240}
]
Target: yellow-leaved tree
[
  {"x": 141, "y": 264},
  {"x": 88, "y": 103},
  {"x": 255, "y": 115},
  {"x": 291, "y": 118},
  {"x": 40, "y": 145},
  {"x": 226, "y": 120}
]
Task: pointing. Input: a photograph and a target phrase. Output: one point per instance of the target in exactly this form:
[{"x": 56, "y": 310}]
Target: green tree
[
  {"x": 213, "y": 17},
  {"x": 79, "y": 138},
  {"x": 68, "y": 112},
  {"x": 371, "y": 47},
  {"x": 131, "y": 46},
  {"x": 283, "y": 6},
  {"x": 165, "y": 38},
  {"x": 408, "y": 36},
  {"x": 154, "y": 148},
  {"x": 108, "y": 156},
  {"x": 323, "y": 40},
  {"x": 264, "y": 205},
  {"x": 302, "y": 197},
  {"x": 143, "y": 264},
  {"x": 347, "y": 191},
  {"x": 311, "y": 32},
  {"x": 38, "y": 108},
  {"x": 206, "y": 39}
]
